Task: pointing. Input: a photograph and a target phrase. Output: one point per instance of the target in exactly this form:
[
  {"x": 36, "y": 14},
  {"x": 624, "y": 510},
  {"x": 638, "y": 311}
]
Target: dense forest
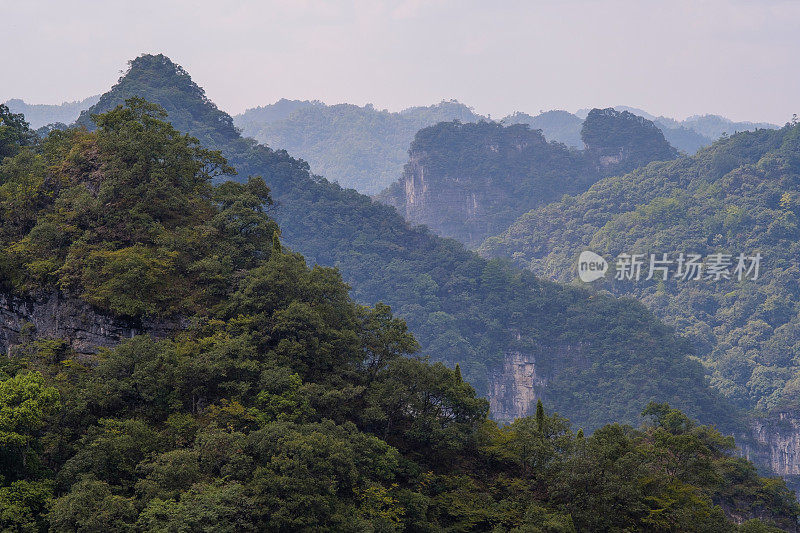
[
  {"x": 687, "y": 135},
  {"x": 359, "y": 147},
  {"x": 462, "y": 309},
  {"x": 737, "y": 196},
  {"x": 364, "y": 148},
  {"x": 283, "y": 405},
  {"x": 471, "y": 181}
]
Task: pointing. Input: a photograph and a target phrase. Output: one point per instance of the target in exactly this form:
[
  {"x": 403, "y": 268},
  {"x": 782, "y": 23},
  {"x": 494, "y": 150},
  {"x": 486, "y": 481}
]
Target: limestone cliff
[
  {"x": 776, "y": 444},
  {"x": 772, "y": 441},
  {"x": 515, "y": 387},
  {"x": 523, "y": 378},
  {"x": 52, "y": 316},
  {"x": 471, "y": 181}
]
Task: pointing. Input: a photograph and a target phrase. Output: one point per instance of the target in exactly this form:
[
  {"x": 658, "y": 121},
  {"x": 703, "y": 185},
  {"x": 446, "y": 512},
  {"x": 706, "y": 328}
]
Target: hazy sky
[{"x": 676, "y": 58}]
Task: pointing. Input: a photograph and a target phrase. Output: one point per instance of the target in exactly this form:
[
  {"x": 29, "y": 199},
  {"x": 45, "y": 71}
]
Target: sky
[{"x": 674, "y": 58}]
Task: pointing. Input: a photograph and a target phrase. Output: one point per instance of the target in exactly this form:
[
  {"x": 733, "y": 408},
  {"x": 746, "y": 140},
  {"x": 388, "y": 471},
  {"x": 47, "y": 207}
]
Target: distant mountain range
[
  {"x": 39, "y": 115},
  {"x": 365, "y": 148},
  {"x": 470, "y": 181}
]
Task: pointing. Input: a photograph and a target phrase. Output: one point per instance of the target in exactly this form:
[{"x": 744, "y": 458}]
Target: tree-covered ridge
[
  {"x": 175, "y": 86},
  {"x": 468, "y": 181},
  {"x": 126, "y": 218},
  {"x": 461, "y": 308},
  {"x": 738, "y": 196},
  {"x": 471, "y": 181},
  {"x": 623, "y": 141},
  {"x": 288, "y": 407},
  {"x": 359, "y": 147}
]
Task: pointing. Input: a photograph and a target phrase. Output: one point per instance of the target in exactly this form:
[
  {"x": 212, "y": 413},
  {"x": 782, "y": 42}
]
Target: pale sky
[{"x": 675, "y": 58}]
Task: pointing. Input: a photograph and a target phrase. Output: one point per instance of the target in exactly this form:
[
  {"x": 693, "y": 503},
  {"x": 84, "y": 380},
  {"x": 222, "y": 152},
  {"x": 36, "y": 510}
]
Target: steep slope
[
  {"x": 596, "y": 358},
  {"x": 738, "y": 196},
  {"x": 470, "y": 181},
  {"x": 280, "y": 404},
  {"x": 359, "y": 147},
  {"x": 39, "y": 115}
]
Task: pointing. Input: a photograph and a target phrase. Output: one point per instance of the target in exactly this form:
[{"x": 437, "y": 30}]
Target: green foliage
[
  {"x": 14, "y": 132},
  {"x": 287, "y": 406},
  {"x": 625, "y": 138},
  {"x": 503, "y": 171},
  {"x": 737, "y": 196},
  {"x": 362, "y": 148},
  {"x": 461, "y": 308},
  {"x": 126, "y": 218}
]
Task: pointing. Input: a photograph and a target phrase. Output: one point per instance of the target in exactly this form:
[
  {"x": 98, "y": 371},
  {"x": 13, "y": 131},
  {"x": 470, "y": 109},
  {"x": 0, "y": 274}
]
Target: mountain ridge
[{"x": 463, "y": 309}]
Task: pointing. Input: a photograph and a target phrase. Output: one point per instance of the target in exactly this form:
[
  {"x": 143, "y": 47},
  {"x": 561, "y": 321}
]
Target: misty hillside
[
  {"x": 38, "y": 115},
  {"x": 737, "y": 196},
  {"x": 482, "y": 315},
  {"x": 274, "y": 402},
  {"x": 470, "y": 181},
  {"x": 363, "y": 148}
]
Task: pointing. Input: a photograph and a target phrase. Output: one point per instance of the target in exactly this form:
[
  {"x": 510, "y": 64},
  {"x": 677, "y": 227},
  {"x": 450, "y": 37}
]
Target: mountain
[
  {"x": 556, "y": 125},
  {"x": 516, "y": 338},
  {"x": 695, "y": 132},
  {"x": 715, "y": 126},
  {"x": 39, "y": 115},
  {"x": 738, "y": 196},
  {"x": 359, "y": 147},
  {"x": 275, "y": 402},
  {"x": 470, "y": 181}
]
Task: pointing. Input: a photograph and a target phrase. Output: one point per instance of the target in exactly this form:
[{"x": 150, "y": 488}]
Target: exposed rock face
[
  {"x": 619, "y": 141},
  {"x": 471, "y": 181},
  {"x": 773, "y": 442},
  {"x": 515, "y": 387},
  {"x": 523, "y": 378},
  {"x": 52, "y": 316},
  {"x": 776, "y": 444}
]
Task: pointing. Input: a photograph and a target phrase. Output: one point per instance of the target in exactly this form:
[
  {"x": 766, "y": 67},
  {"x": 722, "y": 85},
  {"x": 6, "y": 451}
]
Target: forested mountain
[
  {"x": 39, "y": 115},
  {"x": 565, "y": 127},
  {"x": 556, "y": 125},
  {"x": 362, "y": 148},
  {"x": 280, "y": 404},
  {"x": 462, "y": 309},
  {"x": 695, "y": 132},
  {"x": 715, "y": 126},
  {"x": 738, "y": 196},
  {"x": 470, "y": 181}
]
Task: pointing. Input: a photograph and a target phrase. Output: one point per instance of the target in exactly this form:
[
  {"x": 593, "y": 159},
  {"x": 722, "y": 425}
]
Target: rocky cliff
[
  {"x": 471, "y": 181},
  {"x": 776, "y": 444},
  {"x": 772, "y": 441},
  {"x": 53, "y": 316},
  {"x": 523, "y": 378}
]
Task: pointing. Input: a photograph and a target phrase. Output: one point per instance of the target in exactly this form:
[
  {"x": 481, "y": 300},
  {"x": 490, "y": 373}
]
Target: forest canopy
[{"x": 286, "y": 406}]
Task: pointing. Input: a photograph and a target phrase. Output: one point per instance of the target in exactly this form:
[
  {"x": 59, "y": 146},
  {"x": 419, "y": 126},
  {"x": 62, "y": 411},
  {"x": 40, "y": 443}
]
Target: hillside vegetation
[
  {"x": 738, "y": 196},
  {"x": 471, "y": 181},
  {"x": 284, "y": 405},
  {"x": 362, "y": 148},
  {"x": 461, "y": 308}
]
